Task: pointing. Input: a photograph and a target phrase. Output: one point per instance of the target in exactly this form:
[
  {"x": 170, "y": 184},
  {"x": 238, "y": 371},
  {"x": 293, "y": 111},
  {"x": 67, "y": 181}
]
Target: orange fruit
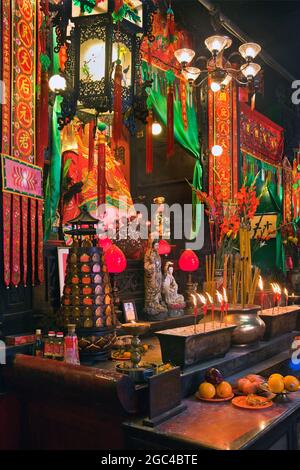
[
  {"x": 291, "y": 383},
  {"x": 276, "y": 384},
  {"x": 276, "y": 375},
  {"x": 207, "y": 390},
  {"x": 126, "y": 355},
  {"x": 224, "y": 390}
]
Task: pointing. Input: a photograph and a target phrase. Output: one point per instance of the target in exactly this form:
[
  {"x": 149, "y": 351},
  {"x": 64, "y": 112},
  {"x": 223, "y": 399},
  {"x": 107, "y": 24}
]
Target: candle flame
[
  {"x": 202, "y": 299},
  {"x": 286, "y": 292},
  {"x": 261, "y": 283},
  {"x": 220, "y": 297},
  {"x": 276, "y": 288},
  {"x": 195, "y": 300},
  {"x": 225, "y": 295},
  {"x": 209, "y": 298}
]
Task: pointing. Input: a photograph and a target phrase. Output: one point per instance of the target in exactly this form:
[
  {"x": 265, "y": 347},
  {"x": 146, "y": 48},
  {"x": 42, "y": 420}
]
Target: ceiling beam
[{"x": 233, "y": 29}]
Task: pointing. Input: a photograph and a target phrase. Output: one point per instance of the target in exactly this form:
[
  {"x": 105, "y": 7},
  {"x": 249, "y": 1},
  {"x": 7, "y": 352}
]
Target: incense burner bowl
[
  {"x": 183, "y": 347},
  {"x": 250, "y": 328}
]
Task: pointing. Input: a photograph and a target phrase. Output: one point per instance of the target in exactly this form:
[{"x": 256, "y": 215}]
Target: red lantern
[
  {"x": 188, "y": 261},
  {"x": 164, "y": 248},
  {"x": 115, "y": 260},
  {"x": 104, "y": 243}
]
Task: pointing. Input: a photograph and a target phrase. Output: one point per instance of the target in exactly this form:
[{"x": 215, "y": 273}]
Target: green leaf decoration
[
  {"x": 298, "y": 167},
  {"x": 86, "y": 6},
  {"x": 295, "y": 186},
  {"x": 125, "y": 11},
  {"x": 170, "y": 76},
  {"x": 45, "y": 62}
]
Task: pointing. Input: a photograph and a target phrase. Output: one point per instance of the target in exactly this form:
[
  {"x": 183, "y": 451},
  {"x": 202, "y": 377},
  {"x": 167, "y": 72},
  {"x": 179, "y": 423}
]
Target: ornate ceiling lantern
[{"x": 103, "y": 42}]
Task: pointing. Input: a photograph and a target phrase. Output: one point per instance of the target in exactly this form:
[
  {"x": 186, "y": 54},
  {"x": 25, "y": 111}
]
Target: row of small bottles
[{"x": 56, "y": 346}]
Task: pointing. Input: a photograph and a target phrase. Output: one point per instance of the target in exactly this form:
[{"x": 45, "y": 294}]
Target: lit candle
[
  {"x": 262, "y": 294},
  {"x": 195, "y": 311},
  {"x": 278, "y": 297},
  {"x": 226, "y": 304},
  {"x": 286, "y": 293},
  {"x": 221, "y": 302},
  {"x": 212, "y": 307},
  {"x": 274, "y": 289},
  {"x": 204, "y": 308}
]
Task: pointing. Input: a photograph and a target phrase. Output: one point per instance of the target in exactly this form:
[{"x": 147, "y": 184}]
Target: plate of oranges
[
  {"x": 278, "y": 385},
  {"x": 215, "y": 393}
]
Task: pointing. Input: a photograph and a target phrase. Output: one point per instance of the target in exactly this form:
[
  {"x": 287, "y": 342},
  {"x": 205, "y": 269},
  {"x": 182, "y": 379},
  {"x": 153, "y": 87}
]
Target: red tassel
[
  {"x": 149, "y": 143},
  {"x": 91, "y": 144},
  {"x": 43, "y": 130},
  {"x": 183, "y": 104},
  {"x": 170, "y": 25},
  {"x": 117, "y": 120},
  {"x": 170, "y": 121},
  {"x": 101, "y": 181}
]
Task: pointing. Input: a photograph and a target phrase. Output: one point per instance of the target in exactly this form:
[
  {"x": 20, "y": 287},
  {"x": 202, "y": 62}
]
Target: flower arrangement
[{"x": 226, "y": 218}]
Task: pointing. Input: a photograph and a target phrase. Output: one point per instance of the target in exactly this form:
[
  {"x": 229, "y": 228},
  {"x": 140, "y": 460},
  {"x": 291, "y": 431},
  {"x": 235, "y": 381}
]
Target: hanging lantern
[
  {"x": 115, "y": 260},
  {"x": 102, "y": 55},
  {"x": 188, "y": 261},
  {"x": 164, "y": 248}
]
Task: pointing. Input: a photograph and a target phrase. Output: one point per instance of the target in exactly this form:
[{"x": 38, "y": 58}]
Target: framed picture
[
  {"x": 129, "y": 310},
  {"x": 62, "y": 254}
]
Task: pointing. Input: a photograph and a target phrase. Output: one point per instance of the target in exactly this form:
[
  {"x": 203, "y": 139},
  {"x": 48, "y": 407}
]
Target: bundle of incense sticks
[{"x": 210, "y": 265}]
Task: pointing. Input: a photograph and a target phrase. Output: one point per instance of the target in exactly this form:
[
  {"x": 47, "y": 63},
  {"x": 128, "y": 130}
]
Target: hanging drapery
[
  {"x": 24, "y": 213},
  {"x": 91, "y": 144},
  {"x": 7, "y": 236},
  {"x": 40, "y": 241},
  {"x": 33, "y": 219},
  {"x": 101, "y": 181},
  {"x": 16, "y": 241}
]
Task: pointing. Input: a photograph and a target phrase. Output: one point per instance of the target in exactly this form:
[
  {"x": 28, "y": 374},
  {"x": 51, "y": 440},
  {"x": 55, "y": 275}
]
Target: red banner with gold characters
[
  {"x": 18, "y": 75},
  {"x": 260, "y": 136},
  {"x": 23, "y": 79},
  {"x": 222, "y": 120}
]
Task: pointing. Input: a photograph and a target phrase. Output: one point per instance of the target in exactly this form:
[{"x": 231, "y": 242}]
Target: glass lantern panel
[
  {"x": 92, "y": 60},
  {"x": 100, "y": 8},
  {"x": 123, "y": 53}
]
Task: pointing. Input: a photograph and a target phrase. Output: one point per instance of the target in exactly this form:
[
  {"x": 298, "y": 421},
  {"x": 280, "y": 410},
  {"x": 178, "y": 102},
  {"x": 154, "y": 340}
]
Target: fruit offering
[
  {"x": 279, "y": 384},
  {"x": 250, "y": 384},
  {"x": 214, "y": 376},
  {"x": 208, "y": 391}
]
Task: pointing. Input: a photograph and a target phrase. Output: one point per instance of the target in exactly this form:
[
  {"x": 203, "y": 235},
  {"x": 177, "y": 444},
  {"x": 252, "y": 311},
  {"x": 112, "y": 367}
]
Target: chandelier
[{"x": 218, "y": 69}]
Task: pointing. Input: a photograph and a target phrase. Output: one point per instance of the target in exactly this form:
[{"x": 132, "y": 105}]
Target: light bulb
[
  {"x": 215, "y": 87},
  {"x": 226, "y": 80},
  {"x": 216, "y": 44},
  {"x": 217, "y": 150},
  {"x": 250, "y": 70},
  {"x": 191, "y": 73},
  {"x": 249, "y": 50},
  {"x": 184, "y": 56},
  {"x": 156, "y": 128},
  {"x": 57, "y": 83}
]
